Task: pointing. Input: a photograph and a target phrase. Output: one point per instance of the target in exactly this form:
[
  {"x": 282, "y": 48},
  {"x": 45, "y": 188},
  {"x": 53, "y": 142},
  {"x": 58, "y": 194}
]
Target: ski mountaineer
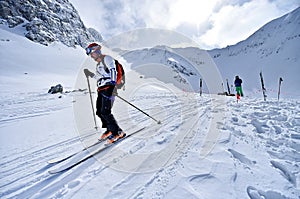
[
  {"x": 105, "y": 75},
  {"x": 238, "y": 87}
]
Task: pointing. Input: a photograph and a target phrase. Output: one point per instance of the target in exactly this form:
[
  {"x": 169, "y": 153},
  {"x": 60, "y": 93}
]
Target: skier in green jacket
[{"x": 238, "y": 86}]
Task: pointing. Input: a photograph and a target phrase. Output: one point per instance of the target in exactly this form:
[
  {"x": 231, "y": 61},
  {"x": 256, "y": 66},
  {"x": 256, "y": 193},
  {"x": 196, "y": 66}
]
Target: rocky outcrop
[{"x": 47, "y": 21}]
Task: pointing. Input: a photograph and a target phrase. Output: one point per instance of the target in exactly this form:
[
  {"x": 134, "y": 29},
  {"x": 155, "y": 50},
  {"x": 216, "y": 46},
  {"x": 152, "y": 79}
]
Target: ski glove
[
  {"x": 88, "y": 73},
  {"x": 115, "y": 92}
]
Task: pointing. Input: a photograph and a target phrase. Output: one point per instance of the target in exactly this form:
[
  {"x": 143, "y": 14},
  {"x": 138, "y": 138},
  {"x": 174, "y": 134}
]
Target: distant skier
[
  {"x": 238, "y": 87},
  {"x": 106, "y": 76}
]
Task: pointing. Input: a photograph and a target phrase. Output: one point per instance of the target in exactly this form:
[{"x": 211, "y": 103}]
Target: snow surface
[{"x": 207, "y": 146}]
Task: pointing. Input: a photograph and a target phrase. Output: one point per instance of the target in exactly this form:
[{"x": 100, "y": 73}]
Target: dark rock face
[
  {"x": 56, "y": 89},
  {"x": 47, "y": 21}
]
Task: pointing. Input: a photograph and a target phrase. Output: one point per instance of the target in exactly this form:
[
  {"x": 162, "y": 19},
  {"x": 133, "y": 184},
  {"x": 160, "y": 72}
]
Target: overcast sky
[{"x": 210, "y": 23}]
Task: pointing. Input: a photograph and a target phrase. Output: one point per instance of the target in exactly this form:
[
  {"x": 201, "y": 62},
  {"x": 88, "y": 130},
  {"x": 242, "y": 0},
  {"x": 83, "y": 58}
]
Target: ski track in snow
[
  {"x": 255, "y": 155},
  {"x": 20, "y": 106}
]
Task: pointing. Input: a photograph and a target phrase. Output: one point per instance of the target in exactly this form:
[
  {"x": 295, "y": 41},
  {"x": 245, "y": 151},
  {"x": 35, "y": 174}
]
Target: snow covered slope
[
  {"x": 27, "y": 66},
  {"x": 182, "y": 67},
  {"x": 273, "y": 49},
  {"x": 253, "y": 154},
  {"x": 206, "y": 147}
]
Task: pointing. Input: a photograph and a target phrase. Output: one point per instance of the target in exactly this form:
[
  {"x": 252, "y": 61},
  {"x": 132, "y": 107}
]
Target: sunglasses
[{"x": 91, "y": 50}]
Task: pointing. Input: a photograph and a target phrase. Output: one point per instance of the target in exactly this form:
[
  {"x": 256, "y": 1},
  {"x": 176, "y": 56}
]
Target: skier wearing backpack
[
  {"x": 106, "y": 76},
  {"x": 238, "y": 86}
]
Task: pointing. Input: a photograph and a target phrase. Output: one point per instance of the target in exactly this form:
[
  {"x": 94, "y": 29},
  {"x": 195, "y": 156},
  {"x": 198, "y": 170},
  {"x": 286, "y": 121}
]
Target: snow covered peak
[
  {"x": 272, "y": 38},
  {"x": 47, "y": 21},
  {"x": 275, "y": 35},
  {"x": 273, "y": 49}
]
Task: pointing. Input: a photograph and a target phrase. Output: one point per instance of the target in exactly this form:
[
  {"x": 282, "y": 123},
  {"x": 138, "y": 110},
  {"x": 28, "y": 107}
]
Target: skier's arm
[{"x": 110, "y": 63}]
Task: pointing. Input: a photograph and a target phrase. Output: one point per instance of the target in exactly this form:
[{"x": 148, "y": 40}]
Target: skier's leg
[
  {"x": 238, "y": 90},
  {"x": 98, "y": 110},
  {"x": 106, "y": 114},
  {"x": 242, "y": 94}
]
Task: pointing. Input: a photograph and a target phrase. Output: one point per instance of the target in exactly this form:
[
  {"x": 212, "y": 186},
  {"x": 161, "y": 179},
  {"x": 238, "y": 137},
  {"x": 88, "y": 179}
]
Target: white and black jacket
[{"x": 106, "y": 72}]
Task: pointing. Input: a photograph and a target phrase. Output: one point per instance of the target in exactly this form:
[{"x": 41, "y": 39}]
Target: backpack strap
[{"x": 104, "y": 64}]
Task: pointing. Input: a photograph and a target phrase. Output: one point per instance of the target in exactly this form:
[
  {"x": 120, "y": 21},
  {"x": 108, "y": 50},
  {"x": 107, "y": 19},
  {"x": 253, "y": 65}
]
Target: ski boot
[
  {"x": 113, "y": 138},
  {"x": 105, "y": 135}
]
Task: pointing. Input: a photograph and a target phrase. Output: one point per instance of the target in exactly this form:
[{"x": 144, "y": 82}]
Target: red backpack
[{"x": 120, "y": 81}]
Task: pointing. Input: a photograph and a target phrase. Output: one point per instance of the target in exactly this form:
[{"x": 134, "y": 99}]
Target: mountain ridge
[
  {"x": 273, "y": 49},
  {"x": 47, "y": 21},
  {"x": 287, "y": 25}
]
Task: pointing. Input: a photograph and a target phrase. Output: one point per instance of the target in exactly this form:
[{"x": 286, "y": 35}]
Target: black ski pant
[{"x": 104, "y": 105}]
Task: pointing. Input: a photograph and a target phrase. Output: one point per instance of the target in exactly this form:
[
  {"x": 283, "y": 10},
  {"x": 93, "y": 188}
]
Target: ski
[
  {"x": 263, "y": 86},
  {"x": 70, "y": 166},
  {"x": 61, "y": 159}
]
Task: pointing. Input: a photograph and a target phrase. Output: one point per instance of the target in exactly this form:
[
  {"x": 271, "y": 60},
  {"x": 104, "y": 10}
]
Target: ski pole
[
  {"x": 200, "y": 87},
  {"x": 158, "y": 122},
  {"x": 228, "y": 88},
  {"x": 87, "y": 78},
  {"x": 280, "y": 80}
]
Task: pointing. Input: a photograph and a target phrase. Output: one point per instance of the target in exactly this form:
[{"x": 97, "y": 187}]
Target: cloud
[
  {"x": 189, "y": 11},
  {"x": 214, "y": 23},
  {"x": 234, "y": 23}
]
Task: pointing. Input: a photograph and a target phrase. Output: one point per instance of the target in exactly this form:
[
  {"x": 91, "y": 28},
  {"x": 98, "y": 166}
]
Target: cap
[{"x": 91, "y": 47}]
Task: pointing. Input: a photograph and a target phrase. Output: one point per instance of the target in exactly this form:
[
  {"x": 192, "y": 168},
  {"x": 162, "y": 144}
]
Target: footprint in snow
[
  {"x": 240, "y": 157},
  {"x": 73, "y": 184}
]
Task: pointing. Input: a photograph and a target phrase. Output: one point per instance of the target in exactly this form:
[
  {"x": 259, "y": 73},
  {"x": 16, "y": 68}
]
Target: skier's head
[
  {"x": 237, "y": 77},
  {"x": 94, "y": 50}
]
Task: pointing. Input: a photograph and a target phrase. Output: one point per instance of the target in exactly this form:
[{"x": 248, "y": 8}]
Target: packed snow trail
[
  {"x": 40, "y": 177},
  {"x": 89, "y": 153},
  {"x": 255, "y": 154}
]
